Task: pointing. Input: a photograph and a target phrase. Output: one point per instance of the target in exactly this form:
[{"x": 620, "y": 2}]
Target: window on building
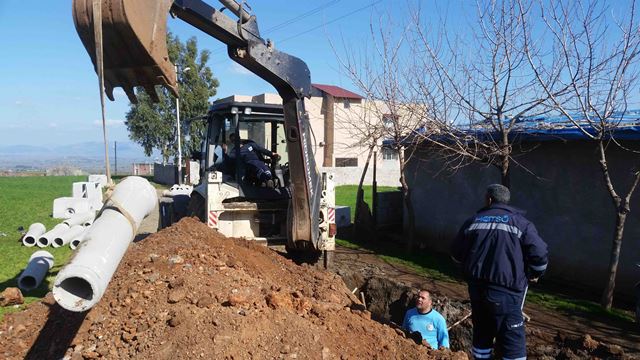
[
  {"x": 347, "y": 103},
  {"x": 388, "y": 120},
  {"x": 346, "y": 162},
  {"x": 389, "y": 154}
]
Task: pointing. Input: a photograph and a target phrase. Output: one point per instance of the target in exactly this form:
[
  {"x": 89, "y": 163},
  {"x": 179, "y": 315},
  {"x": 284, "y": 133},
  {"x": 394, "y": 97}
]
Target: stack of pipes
[{"x": 70, "y": 231}]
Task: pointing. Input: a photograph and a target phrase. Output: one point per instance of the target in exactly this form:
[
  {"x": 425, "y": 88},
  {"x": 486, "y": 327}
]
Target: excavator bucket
[{"x": 134, "y": 38}]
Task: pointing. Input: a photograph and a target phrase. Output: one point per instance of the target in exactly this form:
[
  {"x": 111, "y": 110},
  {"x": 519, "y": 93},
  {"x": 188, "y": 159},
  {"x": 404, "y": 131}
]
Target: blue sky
[{"x": 49, "y": 95}]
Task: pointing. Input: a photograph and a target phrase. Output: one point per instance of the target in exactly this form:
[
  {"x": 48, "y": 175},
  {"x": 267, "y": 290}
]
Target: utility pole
[
  {"x": 178, "y": 123},
  {"x": 115, "y": 155},
  {"x": 179, "y": 141}
]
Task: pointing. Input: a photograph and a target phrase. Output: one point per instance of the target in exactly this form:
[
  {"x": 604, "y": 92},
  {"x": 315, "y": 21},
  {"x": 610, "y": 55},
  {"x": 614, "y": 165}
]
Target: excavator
[{"x": 126, "y": 40}]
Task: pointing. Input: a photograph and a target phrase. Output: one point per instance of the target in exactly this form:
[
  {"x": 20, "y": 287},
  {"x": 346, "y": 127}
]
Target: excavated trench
[{"x": 389, "y": 300}]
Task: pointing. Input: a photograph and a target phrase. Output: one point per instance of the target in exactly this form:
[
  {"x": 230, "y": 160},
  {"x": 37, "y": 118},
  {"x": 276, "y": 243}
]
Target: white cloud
[
  {"x": 19, "y": 102},
  {"x": 238, "y": 69},
  {"x": 53, "y": 125},
  {"x": 110, "y": 123}
]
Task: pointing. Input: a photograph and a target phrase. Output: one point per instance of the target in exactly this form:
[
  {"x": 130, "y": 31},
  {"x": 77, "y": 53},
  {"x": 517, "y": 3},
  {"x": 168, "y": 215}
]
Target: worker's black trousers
[{"x": 497, "y": 315}]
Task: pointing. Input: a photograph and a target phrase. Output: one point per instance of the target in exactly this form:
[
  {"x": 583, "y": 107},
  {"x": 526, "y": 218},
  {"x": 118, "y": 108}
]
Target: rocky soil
[{"x": 187, "y": 293}]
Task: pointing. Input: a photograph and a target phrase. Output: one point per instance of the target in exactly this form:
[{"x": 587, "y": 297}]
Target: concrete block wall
[{"x": 565, "y": 198}]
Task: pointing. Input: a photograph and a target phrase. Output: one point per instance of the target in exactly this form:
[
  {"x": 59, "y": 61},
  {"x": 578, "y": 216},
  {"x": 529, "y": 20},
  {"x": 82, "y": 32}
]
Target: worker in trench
[
  {"x": 501, "y": 252},
  {"x": 425, "y": 325}
]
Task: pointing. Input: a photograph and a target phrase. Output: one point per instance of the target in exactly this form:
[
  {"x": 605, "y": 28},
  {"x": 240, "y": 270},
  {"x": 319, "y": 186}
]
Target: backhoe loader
[{"x": 134, "y": 56}]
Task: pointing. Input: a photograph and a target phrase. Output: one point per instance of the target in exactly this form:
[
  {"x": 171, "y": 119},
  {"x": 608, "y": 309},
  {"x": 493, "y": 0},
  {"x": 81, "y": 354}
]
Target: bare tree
[
  {"x": 379, "y": 73},
  {"x": 476, "y": 83},
  {"x": 599, "y": 57},
  {"x": 361, "y": 121}
]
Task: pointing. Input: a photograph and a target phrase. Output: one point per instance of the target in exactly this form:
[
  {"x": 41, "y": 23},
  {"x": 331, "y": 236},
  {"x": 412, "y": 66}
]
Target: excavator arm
[{"x": 135, "y": 55}]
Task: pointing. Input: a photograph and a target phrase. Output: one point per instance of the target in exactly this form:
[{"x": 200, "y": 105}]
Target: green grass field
[
  {"x": 346, "y": 195},
  {"x": 23, "y": 201}
]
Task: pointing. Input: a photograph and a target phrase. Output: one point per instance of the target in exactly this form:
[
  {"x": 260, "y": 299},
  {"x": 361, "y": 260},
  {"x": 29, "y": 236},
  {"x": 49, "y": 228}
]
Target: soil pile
[{"x": 186, "y": 292}]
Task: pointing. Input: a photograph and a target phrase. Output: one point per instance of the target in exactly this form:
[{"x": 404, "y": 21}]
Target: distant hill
[
  {"x": 86, "y": 156},
  {"x": 86, "y": 149}
]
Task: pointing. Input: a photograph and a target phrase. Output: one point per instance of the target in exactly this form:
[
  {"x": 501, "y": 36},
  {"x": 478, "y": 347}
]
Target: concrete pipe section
[
  {"x": 33, "y": 234},
  {"x": 82, "y": 282},
  {"x": 75, "y": 242},
  {"x": 80, "y": 219},
  {"x": 66, "y": 237},
  {"x": 39, "y": 264},
  {"x": 47, "y": 238}
]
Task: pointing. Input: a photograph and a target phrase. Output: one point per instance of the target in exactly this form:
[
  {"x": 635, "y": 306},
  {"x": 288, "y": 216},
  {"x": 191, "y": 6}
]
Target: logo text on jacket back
[{"x": 493, "y": 219}]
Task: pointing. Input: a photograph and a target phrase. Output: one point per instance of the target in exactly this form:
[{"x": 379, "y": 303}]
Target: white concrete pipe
[
  {"x": 75, "y": 242},
  {"x": 101, "y": 179},
  {"x": 47, "y": 238},
  {"x": 66, "y": 207},
  {"x": 82, "y": 282},
  {"x": 33, "y": 234},
  {"x": 66, "y": 237},
  {"x": 80, "y": 219},
  {"x": 39, "y": 264}
]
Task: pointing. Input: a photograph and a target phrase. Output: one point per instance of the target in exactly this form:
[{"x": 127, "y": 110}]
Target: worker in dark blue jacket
[
  {"x": 253, "y": 156},
  {"x": 501, "y": 252}
]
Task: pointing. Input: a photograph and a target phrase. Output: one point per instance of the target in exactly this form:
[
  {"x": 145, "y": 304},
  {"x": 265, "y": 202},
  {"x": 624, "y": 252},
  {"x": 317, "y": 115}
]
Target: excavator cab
[{"x": 229, "y": 125}]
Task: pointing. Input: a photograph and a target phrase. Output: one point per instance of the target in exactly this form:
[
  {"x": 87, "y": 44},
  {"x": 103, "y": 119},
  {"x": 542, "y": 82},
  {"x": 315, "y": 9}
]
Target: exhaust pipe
[
  {"x": 66, "y": 237},
  {"x": 47, "y": 238},
  {"x": 31, "y": 237},
  {"x": 39, "y": 264},
  {"x": 83, "y": 281}
]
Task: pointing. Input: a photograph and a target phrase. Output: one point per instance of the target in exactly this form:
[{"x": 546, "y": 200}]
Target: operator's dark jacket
[
  {"x": 250, "y": 152},
  {"x": 498, "y": 246}
]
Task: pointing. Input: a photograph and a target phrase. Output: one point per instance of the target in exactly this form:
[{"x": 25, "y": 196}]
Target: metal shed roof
[{"x": 337, "y": 91}]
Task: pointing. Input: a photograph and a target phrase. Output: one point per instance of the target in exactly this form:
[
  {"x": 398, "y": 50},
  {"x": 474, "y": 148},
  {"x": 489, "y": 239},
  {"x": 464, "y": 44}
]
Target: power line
[
  {"x": 319, "y": 26},
  {"x": 286, "y": 23},
  {"x": 302, "y": 16},
  {"x": 331, "y": 22}
]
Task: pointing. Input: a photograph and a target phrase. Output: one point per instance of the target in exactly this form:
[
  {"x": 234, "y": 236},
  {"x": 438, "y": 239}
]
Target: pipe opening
[
  {"x": 74, "y": 244},
  {"x": 30, "y": 240},
  {"x": 27, "y": 283},
  {"x": 77, "y": 289},
  {"x": 58, "y": 242},
  {"x": 43, "y": 241}
]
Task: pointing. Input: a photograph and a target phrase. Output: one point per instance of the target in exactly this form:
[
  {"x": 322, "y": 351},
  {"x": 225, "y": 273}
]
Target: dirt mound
[{"x": 186, "y": 292}]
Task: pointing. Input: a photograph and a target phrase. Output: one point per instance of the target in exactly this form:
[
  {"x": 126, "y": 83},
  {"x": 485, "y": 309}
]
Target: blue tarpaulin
[{"x": 622, "y": 126}]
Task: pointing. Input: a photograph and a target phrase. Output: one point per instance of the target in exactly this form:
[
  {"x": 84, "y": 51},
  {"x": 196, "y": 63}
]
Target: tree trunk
[
  {"x": 360, "y": 192},
  {"x": 329, "y": 120},
  {"x": 607, "y": 295},
  {"x": 505, "y": 170},
  {"x": 406, "y": 199}
]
